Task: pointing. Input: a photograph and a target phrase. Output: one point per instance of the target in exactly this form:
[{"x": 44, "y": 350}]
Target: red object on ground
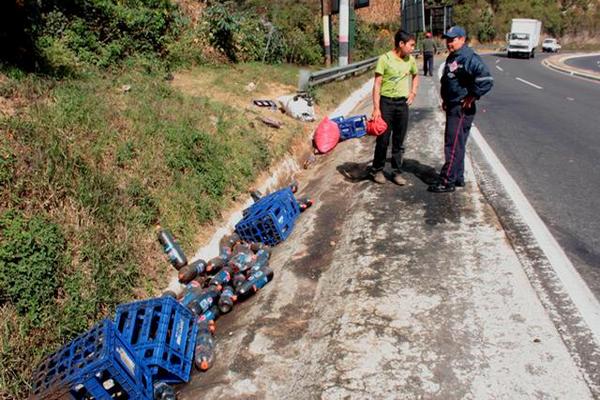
[
  {"x": 327, "y": 135},
  {"x": 376, "y": 127}
]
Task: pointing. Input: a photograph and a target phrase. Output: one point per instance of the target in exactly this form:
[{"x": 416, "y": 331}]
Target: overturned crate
[
  {"x": 271, "y": 219},
  {"x": 351, "y": 127},
  {"x": 162, "y": 332},
  {"x": 98, "y": 365}
]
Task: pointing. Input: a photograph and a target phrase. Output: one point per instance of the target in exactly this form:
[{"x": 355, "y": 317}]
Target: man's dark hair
[{"x": 402, "y": 36}]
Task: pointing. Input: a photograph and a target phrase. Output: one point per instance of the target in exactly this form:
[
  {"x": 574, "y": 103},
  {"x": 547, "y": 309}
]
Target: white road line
[
  {"x": 580, "y": 293},
  {"x": 529, "y": 83},
  {"x": 497, "y": 60},
  {"x": 499, "y": 68},
  {"x": 570, "y": 99}
]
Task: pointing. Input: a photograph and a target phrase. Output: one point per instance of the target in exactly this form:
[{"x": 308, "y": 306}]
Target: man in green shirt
[{"x": 395, "y": 88}]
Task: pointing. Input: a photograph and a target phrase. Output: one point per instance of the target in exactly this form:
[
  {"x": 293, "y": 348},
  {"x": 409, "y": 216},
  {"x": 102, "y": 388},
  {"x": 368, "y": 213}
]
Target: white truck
[{"x": 524, "y": 37}]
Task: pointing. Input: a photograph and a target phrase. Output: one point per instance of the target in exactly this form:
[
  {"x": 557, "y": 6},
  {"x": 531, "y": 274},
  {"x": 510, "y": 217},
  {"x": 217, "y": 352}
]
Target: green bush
[{"x": 31, "y": 257}]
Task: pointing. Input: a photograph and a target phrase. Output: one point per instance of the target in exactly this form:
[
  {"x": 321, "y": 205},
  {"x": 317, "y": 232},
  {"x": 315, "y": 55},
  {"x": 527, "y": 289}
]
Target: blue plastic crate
[
  {"x": 271, "y": 219},
  {"x": 352, "y": 127},
  {"x": 162, "y": 332},
  {"x": 97, "y": 365},
  {"x": 284, "y": 196}
]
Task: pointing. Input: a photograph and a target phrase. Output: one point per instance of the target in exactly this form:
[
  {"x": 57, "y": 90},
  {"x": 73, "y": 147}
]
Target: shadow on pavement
[
  {"x": 354, "y": 172},
  {"x": 425, "y": 173}
]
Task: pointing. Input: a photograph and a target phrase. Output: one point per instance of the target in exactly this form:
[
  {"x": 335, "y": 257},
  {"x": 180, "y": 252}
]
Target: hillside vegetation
[
  {"x": 98, "y": 145},
  {"x": 577, "y": 22}
]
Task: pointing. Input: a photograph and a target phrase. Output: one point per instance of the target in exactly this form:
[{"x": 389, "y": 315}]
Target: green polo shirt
[{"x": 397, "y": 74}]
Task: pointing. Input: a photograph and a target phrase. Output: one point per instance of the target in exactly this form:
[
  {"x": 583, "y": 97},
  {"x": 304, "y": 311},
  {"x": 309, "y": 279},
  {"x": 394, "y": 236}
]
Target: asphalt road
[
  {"x": 591, "y": 63},
  {"x": 545, "y": 128}
]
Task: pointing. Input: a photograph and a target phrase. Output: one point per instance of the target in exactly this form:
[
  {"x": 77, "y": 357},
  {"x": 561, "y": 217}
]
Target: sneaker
[
  {"x": 399, "y": 180},
  {"x": 379, "y": 177},
  {"x": 441, "y": 188}
]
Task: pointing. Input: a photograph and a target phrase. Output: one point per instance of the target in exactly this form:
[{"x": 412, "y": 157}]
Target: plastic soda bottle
[
  {"x": 225, "y": 253},
  {"x": 215, "y": 264},
  {"x": 204, "y": 353},
  {"x": 227, "y": 299},
  {"x": 164, "y": 391},
  {"x": 293, "y": 186},
  {"x": 242, "y": 261},
  {"x": 256, "y": 246},
  {"x": 210, "y": 315},
  {"x": 255, "y": 282},
  {"x": 192, "y": 290},
  {"x": 204, "y": 301},
  {"x": 229, "y": 240},
  {"x": 304, "y": 203},
  {"x": 238, "y": 280},
  {"x": 221, "y": 278},
  {"x": 172, "y": 249},
  {"x": 241, "y": 247},
  {"x": 190, "y": 271}
]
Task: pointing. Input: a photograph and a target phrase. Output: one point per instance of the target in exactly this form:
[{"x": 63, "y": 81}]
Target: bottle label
[
  {"x": 127, "y": 361},
  {"x": 179, "y": 333}
]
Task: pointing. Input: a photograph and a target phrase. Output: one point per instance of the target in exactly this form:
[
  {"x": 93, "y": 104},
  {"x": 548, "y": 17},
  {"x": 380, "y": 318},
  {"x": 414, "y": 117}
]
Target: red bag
[
  {"x": 376, "y": 127},
  {"x": 327, "y": 135}
]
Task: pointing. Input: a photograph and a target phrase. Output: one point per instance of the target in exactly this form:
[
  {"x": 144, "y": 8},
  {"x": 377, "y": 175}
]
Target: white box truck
[{"x": 524, "y": 37}]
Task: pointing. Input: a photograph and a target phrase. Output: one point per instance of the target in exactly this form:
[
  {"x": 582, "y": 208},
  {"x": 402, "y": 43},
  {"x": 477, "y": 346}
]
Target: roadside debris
[
  {"x": 273, "y": 123},
  {"x": 297, "y": 107},
  {"x": 309, "y": 162},
  {"x": 179, "y": 325},
  {"x": 250, "y": 87},
  {"x": 265, "y": 103}
]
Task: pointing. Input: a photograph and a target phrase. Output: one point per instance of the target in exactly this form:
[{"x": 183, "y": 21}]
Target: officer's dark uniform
[{"x": 464, "y": 74}]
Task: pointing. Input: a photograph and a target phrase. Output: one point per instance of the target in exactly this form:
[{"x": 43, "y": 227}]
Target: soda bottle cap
[{"x": 204, "y": 365}]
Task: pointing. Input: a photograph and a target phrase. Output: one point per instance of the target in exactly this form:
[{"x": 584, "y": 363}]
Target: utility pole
[
  {"x": 326, "y": 14},
  {"x": 344, "y": 23}
]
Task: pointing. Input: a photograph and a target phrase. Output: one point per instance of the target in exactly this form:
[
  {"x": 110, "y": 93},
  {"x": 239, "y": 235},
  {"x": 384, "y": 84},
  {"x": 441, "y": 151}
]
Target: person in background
[
  {"x": 428, "y": 49},
  {"x": 395, "y": 88},
  {"x": 464, "y": 80}
]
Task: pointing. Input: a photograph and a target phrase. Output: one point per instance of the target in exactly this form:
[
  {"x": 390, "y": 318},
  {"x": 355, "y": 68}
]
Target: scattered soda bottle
[
  {"x": 164, "y": 391},
  {"x": 169, "y": 293},
  {"x": 210, "y": 315},
  {"x": 225, "y": 253},
  {"x": 262, "y": 257},
  {"x": 256, "y": 246},
  {"x": 242, "y": 261},
  {"x": 215, "y": 264},
  {"x": 229, "y": 240},
  {"x": 171, "y": 248},
  {"x": 227, "y": 299},
  {"x": 207, "y": 325},
  {"x": 256, "y": 195},
  {"x": 192, "y": 291},
  {"x": 293, "y": 186},
  {"x": 221, "y": 278},
  {"x": 255, "y": 282},
  {"x": 241, "y": 247},
  {"x": 204, "y": 301},
  {"x": 238, "y": 280},
  {"x": 190, "y": 271},
  {"x": 204, "y": 353},
  {"x": 304, "y": 203}
]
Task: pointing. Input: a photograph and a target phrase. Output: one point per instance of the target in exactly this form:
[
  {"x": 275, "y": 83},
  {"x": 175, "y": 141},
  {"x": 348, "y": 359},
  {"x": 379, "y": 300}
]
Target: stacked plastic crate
[
  {"x": 271, "y": 219},
  {"x": 162, "y": 333},
  {"x": 98, "y": 364}
]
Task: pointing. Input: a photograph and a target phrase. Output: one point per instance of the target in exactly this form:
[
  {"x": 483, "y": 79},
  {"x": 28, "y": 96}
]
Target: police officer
[{"x": 465, "y": 79}]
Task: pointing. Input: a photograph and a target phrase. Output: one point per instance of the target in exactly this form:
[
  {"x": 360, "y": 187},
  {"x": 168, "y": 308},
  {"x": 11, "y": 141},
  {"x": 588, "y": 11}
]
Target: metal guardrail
[{"x": 310, "y": 79}]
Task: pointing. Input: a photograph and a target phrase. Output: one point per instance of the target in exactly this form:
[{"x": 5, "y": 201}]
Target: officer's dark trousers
[
  {"x": 395, "y": 114},
  {"x": 458, "y": 125},
  {"x": 428, "y": 63}
]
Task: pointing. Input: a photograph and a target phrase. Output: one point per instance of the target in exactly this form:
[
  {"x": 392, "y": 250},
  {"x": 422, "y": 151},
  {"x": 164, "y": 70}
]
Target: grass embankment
[{"x": 88, "y": 168}]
